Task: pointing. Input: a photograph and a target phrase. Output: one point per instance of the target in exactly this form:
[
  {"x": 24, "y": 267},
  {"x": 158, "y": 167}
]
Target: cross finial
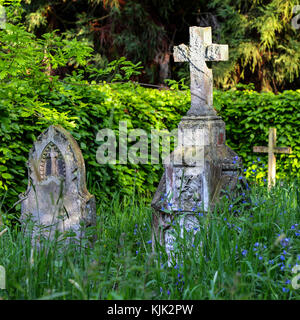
[{"x": 201, "y": 49}]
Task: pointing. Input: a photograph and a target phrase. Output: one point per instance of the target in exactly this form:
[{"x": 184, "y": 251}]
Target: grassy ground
[{"x": 246, "y": 249}]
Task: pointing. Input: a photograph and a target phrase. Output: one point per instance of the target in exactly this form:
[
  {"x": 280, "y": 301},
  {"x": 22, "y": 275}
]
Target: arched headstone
[{"x": 57, "y": 197}]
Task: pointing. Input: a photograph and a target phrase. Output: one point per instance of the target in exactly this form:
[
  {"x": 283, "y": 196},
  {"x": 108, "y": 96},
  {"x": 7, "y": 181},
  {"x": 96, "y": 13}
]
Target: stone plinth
[{"x": 195, "y": 174}]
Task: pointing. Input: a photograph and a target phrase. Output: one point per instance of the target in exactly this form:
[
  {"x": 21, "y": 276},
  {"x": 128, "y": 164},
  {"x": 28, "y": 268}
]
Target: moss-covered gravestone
[{"x": 57, "y": 197}]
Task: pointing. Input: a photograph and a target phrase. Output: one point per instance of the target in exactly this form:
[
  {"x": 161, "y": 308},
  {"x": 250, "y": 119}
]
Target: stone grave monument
[
  {"x": 56, "y": 196},
  {"x": 201, "y": 166}
]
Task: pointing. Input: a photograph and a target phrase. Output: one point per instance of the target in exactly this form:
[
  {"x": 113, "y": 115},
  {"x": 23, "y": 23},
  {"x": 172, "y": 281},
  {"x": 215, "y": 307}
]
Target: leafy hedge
[
  {"x": 249, "y": 115},
  {"x": 31, "y": 100},
  {"x": 84, "y": 110}
]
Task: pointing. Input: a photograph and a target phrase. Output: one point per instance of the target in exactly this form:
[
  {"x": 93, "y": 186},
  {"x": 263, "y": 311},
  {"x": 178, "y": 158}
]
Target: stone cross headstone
[
  {"x": 57, "y": 197},
  {"x": 201, "y": 166},
  {"x": 271, "y": 150},
  {"x": 200, "y": 50}
]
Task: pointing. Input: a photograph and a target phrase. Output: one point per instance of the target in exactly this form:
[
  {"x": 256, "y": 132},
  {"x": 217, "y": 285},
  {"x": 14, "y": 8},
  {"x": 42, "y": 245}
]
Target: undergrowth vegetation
[{"x": 245, "y": 249}]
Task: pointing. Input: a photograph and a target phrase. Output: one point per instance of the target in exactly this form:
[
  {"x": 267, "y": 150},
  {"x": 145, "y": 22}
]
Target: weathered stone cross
[
  {"x": 201, "y": 49},
  {"x": 271, "y": 150}
]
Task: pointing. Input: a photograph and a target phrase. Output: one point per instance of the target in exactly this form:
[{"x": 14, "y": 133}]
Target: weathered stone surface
[
  {"x": 57, "y": 197},
  {"x": 202, "y": 166},
  {"x": 201, "y": 49}
]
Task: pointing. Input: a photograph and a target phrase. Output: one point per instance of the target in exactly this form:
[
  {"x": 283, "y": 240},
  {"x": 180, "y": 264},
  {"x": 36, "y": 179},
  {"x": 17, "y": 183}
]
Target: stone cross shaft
[
  {"x": 271, "y": 150},
  {"x": 201, "y": 49}
]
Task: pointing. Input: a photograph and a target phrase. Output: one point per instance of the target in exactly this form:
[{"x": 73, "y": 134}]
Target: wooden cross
[
  {"x": 201, "y": 49},
  {"x": 271, "y": 150}
]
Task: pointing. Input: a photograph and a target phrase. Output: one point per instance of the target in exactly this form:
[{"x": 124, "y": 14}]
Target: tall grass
[{"x": 244, "y": 249}]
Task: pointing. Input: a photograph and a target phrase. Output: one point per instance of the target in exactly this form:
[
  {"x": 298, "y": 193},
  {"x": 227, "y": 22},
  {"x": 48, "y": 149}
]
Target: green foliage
[
  {"x": 31, "y": 99},
  {"x": 264, "y": 47},
  {"x": 249, "y": 115}
]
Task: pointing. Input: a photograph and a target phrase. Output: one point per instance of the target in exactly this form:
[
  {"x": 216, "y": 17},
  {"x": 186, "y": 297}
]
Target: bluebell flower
[
  {"x": 244, "y": 252},
  {"x": 161, "y": 289},
  {"x": 258, "y": 159},
  {"x": 288, "y": 281},
  {"x": 168, "y": 292},
  {"x": 150, "y": 241},
  {"x": 137, "y": 252},
  {"x": 240, "y": 178},
  {"x": 284, "y": 252},
  {"x": 282, "y": 257},
  {"x": 285, "y": 289},
  {"x": 271, "y": 261},
  {"x": 260, "y": 258}
]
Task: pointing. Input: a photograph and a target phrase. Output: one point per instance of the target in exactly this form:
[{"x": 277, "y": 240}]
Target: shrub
[{"x": 31, "y": 100}]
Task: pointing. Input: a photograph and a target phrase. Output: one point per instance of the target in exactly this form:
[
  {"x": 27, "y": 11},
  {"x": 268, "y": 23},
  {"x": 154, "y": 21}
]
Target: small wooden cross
[
  {"x": 271, "y": 150},
  {"x": 201, "y": 49}
]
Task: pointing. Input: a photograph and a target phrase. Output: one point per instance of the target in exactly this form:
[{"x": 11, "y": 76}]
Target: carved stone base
[{"x": 195, "y": 174}]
